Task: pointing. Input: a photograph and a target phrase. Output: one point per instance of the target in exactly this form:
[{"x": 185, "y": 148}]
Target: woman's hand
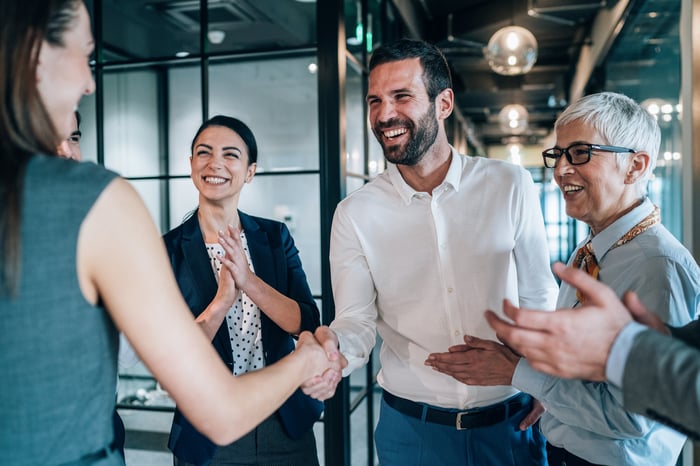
[
  {"x": 235, "y": 260},
  {"x": 227, "y": 291},
  {"x": 314, "y": 355}
]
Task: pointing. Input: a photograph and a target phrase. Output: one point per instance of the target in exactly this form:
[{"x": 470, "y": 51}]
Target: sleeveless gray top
[{"x": 58, "y": 353}]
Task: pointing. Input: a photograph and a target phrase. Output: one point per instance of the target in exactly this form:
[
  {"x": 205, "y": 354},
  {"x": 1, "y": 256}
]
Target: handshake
[{"x": 323, "y": 361}]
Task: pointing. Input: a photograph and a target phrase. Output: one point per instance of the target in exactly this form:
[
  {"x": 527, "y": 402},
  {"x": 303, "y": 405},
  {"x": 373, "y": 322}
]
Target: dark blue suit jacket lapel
[{"x": 200, "y": 277}]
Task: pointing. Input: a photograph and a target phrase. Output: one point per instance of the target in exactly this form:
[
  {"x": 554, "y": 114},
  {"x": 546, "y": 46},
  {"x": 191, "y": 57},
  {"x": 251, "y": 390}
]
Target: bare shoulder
[{"x": 116, "y": 229}]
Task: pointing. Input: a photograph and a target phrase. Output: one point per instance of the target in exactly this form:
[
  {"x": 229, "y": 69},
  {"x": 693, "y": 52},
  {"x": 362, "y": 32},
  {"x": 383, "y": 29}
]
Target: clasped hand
[{"x": 322, "y": 386}]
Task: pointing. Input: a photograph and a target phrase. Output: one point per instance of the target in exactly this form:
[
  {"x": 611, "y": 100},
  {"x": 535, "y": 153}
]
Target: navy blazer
[{"x": 276, "y": 262}]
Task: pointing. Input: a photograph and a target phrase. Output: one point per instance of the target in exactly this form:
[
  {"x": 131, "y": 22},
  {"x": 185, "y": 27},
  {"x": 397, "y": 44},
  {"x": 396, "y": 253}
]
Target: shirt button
[
  {"x": 456, "y": 333},
  {"x": 450, "y": 290}
]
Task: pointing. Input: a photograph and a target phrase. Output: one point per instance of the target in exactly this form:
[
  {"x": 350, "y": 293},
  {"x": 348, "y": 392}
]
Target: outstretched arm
[{"x": 122, "y": 260}]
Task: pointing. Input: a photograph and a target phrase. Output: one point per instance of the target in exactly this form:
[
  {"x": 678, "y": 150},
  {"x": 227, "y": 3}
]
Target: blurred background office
[{"x": 295, "y": 71}]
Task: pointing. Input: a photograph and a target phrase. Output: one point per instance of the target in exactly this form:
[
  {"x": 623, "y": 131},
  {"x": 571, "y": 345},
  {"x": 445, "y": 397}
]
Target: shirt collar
[
  {"x": 407, "y": 193},
  {"x": 604, "y": 240}
]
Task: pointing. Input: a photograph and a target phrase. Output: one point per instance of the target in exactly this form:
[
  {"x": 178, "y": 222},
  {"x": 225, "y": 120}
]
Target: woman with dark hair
[
  {"x": 258, "y": 306},
  {"x": 80, "y": 259}
]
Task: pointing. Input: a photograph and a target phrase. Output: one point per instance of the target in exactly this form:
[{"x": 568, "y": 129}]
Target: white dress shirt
[{"x": 421, "y": 269}]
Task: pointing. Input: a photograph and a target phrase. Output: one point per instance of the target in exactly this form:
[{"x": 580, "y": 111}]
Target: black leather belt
[{"x": 471, "y": 419}]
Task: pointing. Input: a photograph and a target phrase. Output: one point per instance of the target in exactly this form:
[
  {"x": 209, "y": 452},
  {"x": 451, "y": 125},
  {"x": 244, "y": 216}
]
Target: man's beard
[{"x": 423, "y": 135}]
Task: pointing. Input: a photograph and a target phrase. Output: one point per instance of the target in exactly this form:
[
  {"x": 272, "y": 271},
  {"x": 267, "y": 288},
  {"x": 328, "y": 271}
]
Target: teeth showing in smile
[
  {"x": 214, "y": 180},
  {"x": 570, "y": 188},
  {"x": 394, "y": 132}
]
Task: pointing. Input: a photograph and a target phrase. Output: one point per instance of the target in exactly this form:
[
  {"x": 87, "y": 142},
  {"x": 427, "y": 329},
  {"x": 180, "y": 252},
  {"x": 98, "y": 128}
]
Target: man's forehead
[{"x": 397, "y": 75}]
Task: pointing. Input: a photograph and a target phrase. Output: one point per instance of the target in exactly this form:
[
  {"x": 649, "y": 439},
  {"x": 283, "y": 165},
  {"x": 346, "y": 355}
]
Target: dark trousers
[
  {"x": 403, "y": 439},
  {"x": 267, "y": 445},
  {"x": 119, "y": 433},
  {"x": 559, "y": 457}
]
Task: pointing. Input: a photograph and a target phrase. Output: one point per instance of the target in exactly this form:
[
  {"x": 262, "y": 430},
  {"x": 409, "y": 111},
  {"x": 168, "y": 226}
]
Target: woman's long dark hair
[{"x": 25, "y": 125}]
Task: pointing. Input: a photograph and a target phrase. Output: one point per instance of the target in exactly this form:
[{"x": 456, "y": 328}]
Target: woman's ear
[
  {"x": 638, "y": 166},
  {"x": 250, "y": 173}
]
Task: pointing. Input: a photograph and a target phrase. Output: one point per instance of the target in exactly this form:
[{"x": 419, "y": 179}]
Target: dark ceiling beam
[
  {"x": 286, "y": 17},
  {"x": 413, "y": 18},
  {"x": 486, "y": 15},
  {"x": 606, "y": 27}
]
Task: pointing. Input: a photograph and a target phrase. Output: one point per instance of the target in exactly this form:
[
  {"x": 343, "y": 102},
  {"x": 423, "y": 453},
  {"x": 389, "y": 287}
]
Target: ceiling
[
  {"x": 572, "y": 46},
  {"x": 561, "y": 28},
  {"x": 574, "y": 52}
]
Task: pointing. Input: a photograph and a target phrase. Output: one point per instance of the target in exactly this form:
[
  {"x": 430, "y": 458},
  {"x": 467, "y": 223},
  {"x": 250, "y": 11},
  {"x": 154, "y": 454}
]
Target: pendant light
[
  {"x": 513, "y": 119},
  {"x": 512, "y": 50}
]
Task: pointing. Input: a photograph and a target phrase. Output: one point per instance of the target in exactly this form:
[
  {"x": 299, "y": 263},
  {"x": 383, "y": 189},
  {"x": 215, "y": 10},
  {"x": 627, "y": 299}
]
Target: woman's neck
[{"x": 214, "y": 218}]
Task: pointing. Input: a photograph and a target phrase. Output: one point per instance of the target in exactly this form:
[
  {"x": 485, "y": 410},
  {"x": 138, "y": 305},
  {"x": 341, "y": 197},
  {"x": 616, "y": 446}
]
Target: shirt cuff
[
  {"x": 528, "y": 380},
  {"x": 615, "y": 366}
]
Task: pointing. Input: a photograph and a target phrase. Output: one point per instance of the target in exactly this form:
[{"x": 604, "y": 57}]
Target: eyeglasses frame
[{"x": 591, "y": 148}]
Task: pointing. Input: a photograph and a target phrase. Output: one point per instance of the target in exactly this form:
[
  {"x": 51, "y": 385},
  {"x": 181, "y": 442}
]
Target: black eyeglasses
[{"x": 578, "y": 154}]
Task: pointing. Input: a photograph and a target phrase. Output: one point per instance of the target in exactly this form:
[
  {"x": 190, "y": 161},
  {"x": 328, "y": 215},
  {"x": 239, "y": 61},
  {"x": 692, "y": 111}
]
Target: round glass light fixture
[
  {"x": 511, "y": 50},
  {"x": 513, "y": 119},
  {"x": 216, "y": 36}
]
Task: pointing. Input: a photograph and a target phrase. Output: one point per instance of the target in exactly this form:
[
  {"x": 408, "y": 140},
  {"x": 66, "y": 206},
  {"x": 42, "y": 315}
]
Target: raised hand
[
  {"x": 210, "y": 319},
  {"x": 227, "y": 291},
  {"x": 322, "y": 386},
  {"x": 235, "y": 260},
  {"x": 571, "y": 343}
]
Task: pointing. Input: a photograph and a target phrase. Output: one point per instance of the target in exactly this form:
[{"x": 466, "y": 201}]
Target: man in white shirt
[{"x": 418, "y": 254}]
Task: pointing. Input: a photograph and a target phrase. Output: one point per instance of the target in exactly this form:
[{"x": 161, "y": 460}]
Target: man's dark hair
[{"x": 436, "y": 71}]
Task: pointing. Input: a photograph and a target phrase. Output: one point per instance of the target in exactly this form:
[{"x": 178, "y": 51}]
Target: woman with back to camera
[
  {"x": 257, "y": 306},
  {"x": 80, "y": 259}
]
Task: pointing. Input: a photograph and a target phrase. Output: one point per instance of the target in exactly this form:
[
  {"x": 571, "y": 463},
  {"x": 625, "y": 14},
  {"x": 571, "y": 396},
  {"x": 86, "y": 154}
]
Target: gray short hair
[{"x": 622, "y": 122}]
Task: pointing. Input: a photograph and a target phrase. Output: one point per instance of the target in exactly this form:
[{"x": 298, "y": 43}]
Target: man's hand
[
  {"x": 323, "y": 387},
  {"x": 533, "y": 415},
  {"x": 571, "y": 343},
  {"x": 310, "y": 349},
  {"x": 476, "y": 362}
]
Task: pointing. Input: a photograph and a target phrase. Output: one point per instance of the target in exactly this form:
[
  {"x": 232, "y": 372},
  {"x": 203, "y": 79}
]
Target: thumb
[
  {"x": 328, "y": 340},
  {"x": 476, "y": 342}
]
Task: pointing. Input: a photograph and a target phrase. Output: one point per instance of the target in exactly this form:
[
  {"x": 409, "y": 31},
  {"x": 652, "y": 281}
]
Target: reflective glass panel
[
  {"x": 278, "y": 100},
  {"x": 131, "y": 144}
]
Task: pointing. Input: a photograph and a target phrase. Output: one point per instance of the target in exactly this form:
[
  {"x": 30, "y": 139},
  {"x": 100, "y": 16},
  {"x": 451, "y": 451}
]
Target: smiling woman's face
[
  {"x": 219, "y": 164},
  {"x": 596, "y": 192}
]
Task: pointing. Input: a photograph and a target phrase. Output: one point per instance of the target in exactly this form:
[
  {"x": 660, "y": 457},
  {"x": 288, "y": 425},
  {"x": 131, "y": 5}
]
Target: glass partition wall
[
  {"x": 161, "y": 68},
  {"x": 296, "y": 72}
]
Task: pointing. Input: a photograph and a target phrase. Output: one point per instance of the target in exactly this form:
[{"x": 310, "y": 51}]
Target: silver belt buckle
[{"x": 458, "y": 422}]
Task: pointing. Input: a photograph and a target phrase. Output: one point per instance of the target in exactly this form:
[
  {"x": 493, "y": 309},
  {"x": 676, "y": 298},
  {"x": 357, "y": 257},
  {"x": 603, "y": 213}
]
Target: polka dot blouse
[{"x": 243, "y": 319}]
